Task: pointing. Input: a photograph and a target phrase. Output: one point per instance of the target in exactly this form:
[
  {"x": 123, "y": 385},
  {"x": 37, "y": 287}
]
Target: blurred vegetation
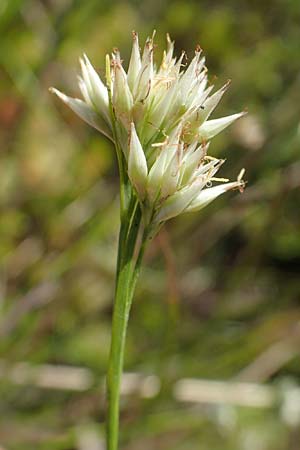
[{"x": 219, "y": 294}]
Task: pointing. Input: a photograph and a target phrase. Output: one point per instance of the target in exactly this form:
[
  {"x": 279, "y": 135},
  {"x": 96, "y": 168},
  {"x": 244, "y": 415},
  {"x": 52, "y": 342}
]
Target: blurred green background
[{"x": 219, "y": 295}]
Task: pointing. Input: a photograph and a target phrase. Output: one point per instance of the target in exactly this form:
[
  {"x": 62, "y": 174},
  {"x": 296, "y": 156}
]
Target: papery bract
[{"x": 159, "y": 117}]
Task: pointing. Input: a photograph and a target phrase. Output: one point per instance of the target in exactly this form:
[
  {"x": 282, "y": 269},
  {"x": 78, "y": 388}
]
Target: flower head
[{"x": 160, "y": 119}]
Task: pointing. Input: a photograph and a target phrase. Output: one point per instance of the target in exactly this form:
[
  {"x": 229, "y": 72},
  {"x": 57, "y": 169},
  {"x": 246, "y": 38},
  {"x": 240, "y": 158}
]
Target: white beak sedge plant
[{"x": 157, "y": 118}]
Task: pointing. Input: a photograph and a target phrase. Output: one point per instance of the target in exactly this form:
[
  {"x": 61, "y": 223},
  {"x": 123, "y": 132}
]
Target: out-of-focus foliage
[{"x": 219, "y": 294}]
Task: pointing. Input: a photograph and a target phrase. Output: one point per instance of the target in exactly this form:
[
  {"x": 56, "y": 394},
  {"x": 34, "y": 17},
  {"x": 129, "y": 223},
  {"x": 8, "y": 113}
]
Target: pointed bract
[
  {"x": 137, "y": 164},
  {"x": 208, "y": 195},
  {"x": 122, "y": 97},
  {"x": 191, "y": 164},
  {"x": 172, "y": 173},
  {"x": 98, "y": 91},
  {"x": 135, "y": 62},
  {"x": 213, "y": 127},
  {"x": 178, "y": 202},
  {"x": 85, "y": 112},
  {"x": 155, "y": 176},
  {"x": 204, "y": 111},
  {"x": 145, "y": 77}
]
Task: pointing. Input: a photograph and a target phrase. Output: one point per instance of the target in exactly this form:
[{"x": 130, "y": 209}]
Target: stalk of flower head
[{"x": 158, "y": 120}]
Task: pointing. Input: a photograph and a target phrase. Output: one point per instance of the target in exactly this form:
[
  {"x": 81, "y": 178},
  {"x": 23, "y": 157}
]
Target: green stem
[{"x": 128, "y": 266}]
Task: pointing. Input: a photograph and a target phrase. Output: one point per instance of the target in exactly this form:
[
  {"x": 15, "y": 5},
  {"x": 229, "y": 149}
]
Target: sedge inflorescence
[{"x": 158, "y": 117}]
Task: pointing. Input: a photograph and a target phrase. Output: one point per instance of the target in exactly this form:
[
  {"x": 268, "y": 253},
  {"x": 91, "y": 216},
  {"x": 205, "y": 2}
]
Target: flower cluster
[{"x": 159, "y": 119}]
